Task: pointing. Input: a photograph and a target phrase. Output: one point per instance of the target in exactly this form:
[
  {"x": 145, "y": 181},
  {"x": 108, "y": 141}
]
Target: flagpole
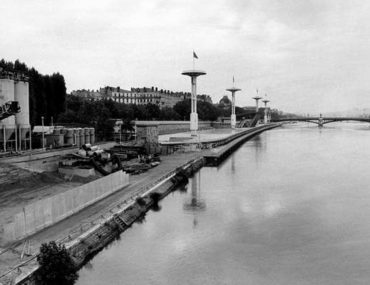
[{"x": 193, "y": 61}]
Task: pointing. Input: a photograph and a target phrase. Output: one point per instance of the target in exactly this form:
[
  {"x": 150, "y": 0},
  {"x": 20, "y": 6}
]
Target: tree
[
  {"x": 183, "y": 108},
  {"x": 152, "y": 112},
  {"x": 169, "y": 114},
  {"x": 207, "y": 111},
  {"x": 225, "y": 100},
  {"x": 56, "y": 265}
]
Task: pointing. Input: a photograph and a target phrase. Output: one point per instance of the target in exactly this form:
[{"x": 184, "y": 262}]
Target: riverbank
[{"x": 91, "y": 221}]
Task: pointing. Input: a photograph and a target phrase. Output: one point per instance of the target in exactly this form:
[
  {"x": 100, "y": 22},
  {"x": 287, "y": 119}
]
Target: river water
[{"x": 291, "y": 206}]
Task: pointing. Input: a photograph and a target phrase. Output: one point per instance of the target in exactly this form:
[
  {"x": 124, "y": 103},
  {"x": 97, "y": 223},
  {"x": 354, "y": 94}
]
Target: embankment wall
[
  {"x": 45, "y": 212},
  {"x": 215, "y": 158},
  {"x": 170, "y": 127}
]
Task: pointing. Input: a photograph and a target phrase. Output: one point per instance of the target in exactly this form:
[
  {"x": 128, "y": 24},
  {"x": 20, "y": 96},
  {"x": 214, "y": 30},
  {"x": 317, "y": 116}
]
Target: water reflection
[
  {"x": 183, "y": 188},
  {"x": 257, "y": 142},
  {"x": 232, "y": 163},
  {"x": 195, "y": 203}
]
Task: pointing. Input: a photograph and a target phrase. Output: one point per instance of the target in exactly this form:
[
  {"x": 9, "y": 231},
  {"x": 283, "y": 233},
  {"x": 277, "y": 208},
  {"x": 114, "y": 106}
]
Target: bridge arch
[{"x": 323, "y": 120}]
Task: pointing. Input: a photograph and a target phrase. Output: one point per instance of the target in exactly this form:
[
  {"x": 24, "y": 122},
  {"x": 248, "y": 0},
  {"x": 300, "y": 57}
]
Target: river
[{"x": 290, "y": 206}]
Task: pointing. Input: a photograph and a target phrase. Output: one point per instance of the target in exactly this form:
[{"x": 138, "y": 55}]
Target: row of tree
[
  {"x": 98, "y": 113},
  {"x": 47, "y": 92}
]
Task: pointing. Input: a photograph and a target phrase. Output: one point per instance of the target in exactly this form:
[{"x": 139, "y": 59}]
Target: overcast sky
[{"x": 308, "y": 56}]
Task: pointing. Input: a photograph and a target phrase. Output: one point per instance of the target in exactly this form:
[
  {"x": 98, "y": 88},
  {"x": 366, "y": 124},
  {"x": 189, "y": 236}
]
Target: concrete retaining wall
[{"x": 45, "y": 212}]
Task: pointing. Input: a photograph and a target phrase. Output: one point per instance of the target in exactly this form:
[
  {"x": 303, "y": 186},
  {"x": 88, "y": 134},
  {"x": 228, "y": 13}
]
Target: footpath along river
[{"x": 291, "y": 206}]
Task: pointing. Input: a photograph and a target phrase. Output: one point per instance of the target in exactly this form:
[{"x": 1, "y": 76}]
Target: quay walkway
[{"x": 216, "y": 155}]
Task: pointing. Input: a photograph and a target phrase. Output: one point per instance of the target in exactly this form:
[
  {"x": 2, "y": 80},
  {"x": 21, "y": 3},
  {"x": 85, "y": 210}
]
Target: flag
[
  {"x": 195, "y": 55},
  {"x": 233, "y": 80}
]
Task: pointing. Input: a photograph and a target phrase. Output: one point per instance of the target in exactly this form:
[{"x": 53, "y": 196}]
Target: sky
[{"x": 308, "y": 56}]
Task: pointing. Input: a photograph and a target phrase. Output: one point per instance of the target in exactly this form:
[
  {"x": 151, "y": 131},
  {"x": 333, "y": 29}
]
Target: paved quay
[{"x": 204, "y": 136}]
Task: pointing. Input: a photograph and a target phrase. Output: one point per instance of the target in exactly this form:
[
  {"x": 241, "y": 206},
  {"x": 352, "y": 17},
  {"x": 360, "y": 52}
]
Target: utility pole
[{"x": 43, "y": 135}]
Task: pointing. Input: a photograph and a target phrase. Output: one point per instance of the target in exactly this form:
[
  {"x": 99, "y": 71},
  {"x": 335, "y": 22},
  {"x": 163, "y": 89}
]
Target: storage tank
[
  {"x": 76, "y": 137},
  {"x": 92, "y": 135},
  {"x": 68, "y": 138},
  {"x": 21, "y": 95},
  {"x": 6, "y": 95},
  {"x": 63, "y": 132},
  {"x": 87, "y": 135},
  {"x": 58, "y": 138},
  {"x": 82, "y": 136}
]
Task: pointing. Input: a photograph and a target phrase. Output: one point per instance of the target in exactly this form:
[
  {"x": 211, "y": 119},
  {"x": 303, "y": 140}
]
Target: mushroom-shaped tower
[
  {"x": 257, "y": 98},
  {"x": 233, "y": 90},
  {"x": 193, "y": 115},
  {"x": 265, "y": 118}
]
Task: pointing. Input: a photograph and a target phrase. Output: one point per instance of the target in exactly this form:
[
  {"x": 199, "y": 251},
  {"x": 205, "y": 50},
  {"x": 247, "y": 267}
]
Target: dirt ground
[{"x": 15, "y": 196}]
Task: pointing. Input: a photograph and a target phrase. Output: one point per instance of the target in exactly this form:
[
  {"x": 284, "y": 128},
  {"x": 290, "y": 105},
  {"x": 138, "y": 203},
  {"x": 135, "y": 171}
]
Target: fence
[{"x": 43, "y": 213}]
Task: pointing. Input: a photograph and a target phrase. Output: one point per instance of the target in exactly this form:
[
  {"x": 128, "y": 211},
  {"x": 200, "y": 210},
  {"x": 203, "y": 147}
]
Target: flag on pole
[
  {"x": 195, "y": 55},
  {"x": 233, "y": 80}
]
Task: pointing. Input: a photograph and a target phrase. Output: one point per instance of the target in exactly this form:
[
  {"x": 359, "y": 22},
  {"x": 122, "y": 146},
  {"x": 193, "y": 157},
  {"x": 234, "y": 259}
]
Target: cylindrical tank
[
  {"x": 68, "y": 138},
  {"x": 22, "y": 119},
  {"x": 21, "y": 94},
  {"x": 58, "y": 138},
  {"x": 76, "y": 135},
  {"x": 6, "y": 95},
  {"x": 82, "y": 136},
  {"x": 87, "y": 135},
  {"x": 92, "y": 135},
  {"x": 63, "y": 133}
]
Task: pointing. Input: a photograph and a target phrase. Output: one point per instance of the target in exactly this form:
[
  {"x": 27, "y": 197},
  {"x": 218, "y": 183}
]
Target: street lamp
[
  {"x": 43, "y": 135},
  {"x": 120, "y": 134}
]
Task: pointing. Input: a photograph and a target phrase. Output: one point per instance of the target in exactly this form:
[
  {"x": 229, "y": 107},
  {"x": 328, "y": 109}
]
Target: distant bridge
[{"x": 322, "y": 120}]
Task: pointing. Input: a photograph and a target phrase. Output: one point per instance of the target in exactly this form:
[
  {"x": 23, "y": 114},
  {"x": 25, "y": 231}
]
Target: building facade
[
  {"x": 139, "y": 96},
  {"x": 91, "y": 95}
]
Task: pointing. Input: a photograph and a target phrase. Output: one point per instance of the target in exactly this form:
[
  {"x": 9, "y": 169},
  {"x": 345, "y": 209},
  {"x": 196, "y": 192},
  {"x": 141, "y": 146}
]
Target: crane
[{"x": 9, "y": 109}]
